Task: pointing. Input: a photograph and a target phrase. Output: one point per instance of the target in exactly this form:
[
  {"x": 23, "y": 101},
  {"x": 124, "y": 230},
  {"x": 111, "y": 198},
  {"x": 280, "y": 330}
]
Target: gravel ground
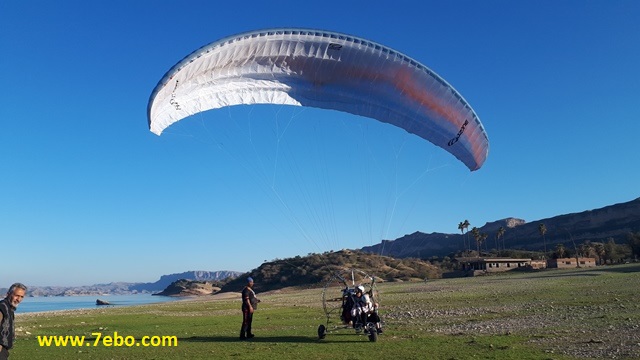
[
  {"x": 548, "y": 331},
  {"x": 594, "y": 325}
]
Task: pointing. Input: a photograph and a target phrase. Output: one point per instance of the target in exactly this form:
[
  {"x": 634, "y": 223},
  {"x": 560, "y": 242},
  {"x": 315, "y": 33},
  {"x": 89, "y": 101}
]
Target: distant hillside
[
  {"x": 314, "y": 270},
  {"x": 121, "y": 288},
  {"x": 615, "y": 221},
  {"x": 116, "y": 288}
]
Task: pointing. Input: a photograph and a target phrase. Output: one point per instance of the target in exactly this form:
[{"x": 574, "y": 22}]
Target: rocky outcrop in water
[{"x": 185, "y": 287}]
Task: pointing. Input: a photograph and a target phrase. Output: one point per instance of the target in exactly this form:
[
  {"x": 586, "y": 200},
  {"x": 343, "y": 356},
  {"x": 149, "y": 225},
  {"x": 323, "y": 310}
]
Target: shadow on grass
[
  {"x": 270, "y": 339},
  {"x": 622, "y": 268},
  {"x": 572, "y": 274},
  {"x": 280, "y": 339},
  {"x": 592, "y": 271}
]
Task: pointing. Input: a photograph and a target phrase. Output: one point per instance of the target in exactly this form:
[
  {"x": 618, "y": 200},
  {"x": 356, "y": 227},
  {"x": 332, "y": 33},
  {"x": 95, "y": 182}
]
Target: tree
[
  {"x": 616, "y": 253},
  {"x": 543, "y": 230},
  {"x": 500, "y": 235},
  {"x": 483, "y": 240},
  {"x": 478, "y": 238},
  {"x": 560, "y": 252},
  {"x": 610, "y": 249},
  {"x": 599, "y": 251},
  {"x": 466, "y": 225},
  {"x": 634, "y": 242},
  {"x": 461, "y": 228},
  {"x": 588, "y": 250}
]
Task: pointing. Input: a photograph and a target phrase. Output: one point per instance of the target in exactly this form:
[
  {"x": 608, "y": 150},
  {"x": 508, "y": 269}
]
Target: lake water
[{"x": 52, "y": 303}]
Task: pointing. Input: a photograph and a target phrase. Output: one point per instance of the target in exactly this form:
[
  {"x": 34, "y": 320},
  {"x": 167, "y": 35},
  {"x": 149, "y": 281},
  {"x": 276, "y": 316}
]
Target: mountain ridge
[{"x": 613, "y": 221}]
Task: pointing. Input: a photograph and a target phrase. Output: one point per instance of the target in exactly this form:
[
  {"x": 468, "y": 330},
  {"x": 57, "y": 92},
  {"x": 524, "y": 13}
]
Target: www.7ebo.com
[{"x": 114, "y": 340}]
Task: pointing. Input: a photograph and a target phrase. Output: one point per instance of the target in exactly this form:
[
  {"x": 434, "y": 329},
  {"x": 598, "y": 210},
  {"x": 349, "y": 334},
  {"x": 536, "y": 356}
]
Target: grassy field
[{"x": 552, "y": 314}]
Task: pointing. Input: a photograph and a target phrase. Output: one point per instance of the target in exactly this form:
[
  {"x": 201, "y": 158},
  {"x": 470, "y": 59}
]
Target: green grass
[{"x": 556, "y": 314}]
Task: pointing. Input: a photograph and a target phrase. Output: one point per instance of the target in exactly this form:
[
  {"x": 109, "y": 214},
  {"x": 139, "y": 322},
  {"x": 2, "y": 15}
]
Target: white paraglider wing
[{"x": 325, "y": 70}]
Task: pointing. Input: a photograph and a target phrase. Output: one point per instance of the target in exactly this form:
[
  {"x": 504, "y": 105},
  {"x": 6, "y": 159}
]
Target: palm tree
[
  {"x": 561, "y": 252},
  {"x": 461, "y": 228},
  {"x": 466, "y": 224},
  {"x": 499, "y": 235},
  {"x": 477, "y": 236},
  {"x": 483, "y": 240},
  {"x": 543, "y": 230}
]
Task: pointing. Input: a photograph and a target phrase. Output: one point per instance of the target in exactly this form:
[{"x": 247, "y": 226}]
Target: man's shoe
[
  {"x": 249, "y": 336},
  {"x": 379, "y": 330}
]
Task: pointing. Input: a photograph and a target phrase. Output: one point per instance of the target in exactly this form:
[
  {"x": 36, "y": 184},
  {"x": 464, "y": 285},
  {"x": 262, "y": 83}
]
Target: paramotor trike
[{"x": 344, "y": 308}]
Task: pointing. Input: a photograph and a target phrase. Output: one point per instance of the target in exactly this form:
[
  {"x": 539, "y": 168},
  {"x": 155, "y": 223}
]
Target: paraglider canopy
[{"x": 326, "y": 70}]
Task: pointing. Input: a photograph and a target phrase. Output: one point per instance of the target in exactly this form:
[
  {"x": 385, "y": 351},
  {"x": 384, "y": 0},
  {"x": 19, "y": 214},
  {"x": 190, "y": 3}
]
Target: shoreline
[{"x": 84, "y": 311}]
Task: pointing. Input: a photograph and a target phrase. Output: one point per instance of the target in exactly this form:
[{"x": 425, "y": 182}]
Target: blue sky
[{"x": 89, "y": 195}]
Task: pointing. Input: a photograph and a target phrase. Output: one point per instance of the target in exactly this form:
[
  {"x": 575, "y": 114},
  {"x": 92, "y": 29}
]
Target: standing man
[
  {"x": 7, "y": 308},
  {"x": 249, "y": 304}
]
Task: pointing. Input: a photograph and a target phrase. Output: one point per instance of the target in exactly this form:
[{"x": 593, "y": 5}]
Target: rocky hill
[
  {"x": 598, "y": 225},
  {"x": 184, "y": 287},
  {"x": 166, "y": 280},
  {"x": 316, "y": 269}
]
